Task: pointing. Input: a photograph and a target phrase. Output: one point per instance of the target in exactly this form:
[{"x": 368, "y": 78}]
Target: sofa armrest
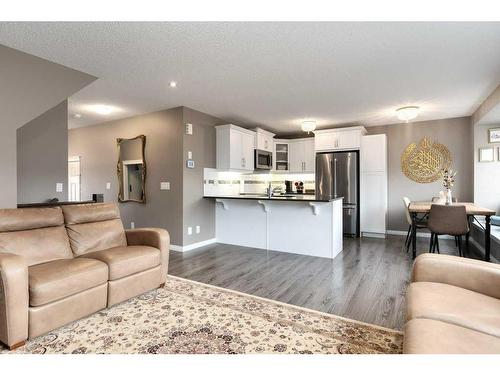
[
  {"x": 154, "y": 237},
  {"x": 474, "y": 275},
  {"x": 14, "y": 299}
]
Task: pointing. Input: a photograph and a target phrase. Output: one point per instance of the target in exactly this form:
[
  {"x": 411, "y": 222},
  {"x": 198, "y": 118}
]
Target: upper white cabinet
[
  {"x": 301, "y": 156},
  {"x": 235, "y": 147},
  {"x": 281, "y": 153},
  {"x": 339, "y": 139},
  {"x": 264, "y": 140}
]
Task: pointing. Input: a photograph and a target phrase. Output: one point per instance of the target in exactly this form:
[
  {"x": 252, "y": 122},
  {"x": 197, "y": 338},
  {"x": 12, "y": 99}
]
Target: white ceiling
[{"x": 273, "y": 74}]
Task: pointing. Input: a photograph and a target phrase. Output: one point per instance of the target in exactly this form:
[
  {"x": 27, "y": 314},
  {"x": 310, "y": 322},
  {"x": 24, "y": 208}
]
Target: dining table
[{"x": 472, "y": 210}]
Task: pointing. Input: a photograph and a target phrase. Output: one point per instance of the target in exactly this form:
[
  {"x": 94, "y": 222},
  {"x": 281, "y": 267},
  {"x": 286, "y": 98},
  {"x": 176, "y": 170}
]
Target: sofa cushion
[
  {"x": 453, "y": 305},
  {"x": 37, "y": 234},
  {"x": 94, "y": 227},
  {"x": 127, "y": 260},
  {"x": 52, "y": 281},
  {"x": 90, "y": 213},
  {"x": 427, "y": 336},
  {"x": 16, "y": 219}
]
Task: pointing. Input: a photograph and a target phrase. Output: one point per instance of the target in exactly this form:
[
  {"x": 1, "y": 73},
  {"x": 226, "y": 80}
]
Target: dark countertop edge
[{"x": 275, "y": 199}]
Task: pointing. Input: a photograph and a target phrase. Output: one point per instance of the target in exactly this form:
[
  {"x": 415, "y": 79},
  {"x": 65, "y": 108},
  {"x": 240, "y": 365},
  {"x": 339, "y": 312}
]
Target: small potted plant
[{"x": 448, "y": 182}]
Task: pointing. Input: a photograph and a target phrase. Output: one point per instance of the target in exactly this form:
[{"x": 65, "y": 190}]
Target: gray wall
[
  {"x": 29, "y": 87},
  {"x": 97, "y": 147},
  {"x": 196, "y": 209},
  {"x": 42, "y": 156},
  {"x": 453, "y": 133}
]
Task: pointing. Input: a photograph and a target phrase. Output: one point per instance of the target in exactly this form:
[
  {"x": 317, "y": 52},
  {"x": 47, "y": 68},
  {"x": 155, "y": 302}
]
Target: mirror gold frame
[{"x": 120, "y": 172}]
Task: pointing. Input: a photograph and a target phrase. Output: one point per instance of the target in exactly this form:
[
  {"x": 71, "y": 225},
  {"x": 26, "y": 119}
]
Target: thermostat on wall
[{"x": 190, "y": 163}]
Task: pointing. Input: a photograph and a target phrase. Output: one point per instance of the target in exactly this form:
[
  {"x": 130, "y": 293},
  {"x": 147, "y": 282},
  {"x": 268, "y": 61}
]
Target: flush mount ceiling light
[
  {"x": 101, "y": 109},
  {"x": 173, "y": 84},
  {"x": 308, "y": 126},
  {"x": 407, "y": 113}
]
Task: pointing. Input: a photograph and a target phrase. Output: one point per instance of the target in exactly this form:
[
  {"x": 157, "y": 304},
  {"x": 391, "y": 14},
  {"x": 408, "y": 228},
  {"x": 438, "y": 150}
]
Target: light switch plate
[
  {"x": 190, "y": 163},
  {"x": 190, "y": 154},
  {"x": 189, "y": 129},
  {"x": 198, "y": 229},
  {"x": 108, "y": 185},
  {"x": 59, "y": 187},
  {"x": 190, "y": 230},
  {"x": 164, "y": 185},
  {"x": 132, "y": 225}
]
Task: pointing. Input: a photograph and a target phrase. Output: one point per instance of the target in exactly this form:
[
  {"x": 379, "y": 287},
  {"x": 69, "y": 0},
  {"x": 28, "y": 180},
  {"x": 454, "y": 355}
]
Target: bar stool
[
  {"x": 420, "y": 223},
  {"x": 451, "y": 220}
]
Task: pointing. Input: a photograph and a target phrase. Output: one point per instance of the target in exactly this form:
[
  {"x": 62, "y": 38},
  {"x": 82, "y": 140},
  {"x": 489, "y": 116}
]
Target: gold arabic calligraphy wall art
[{"x": 423, "y": 162}]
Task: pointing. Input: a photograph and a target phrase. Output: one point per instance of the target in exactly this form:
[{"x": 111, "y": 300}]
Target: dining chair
[
  {"x": 420, "y": 223},
  {"x": 451, "y": 220}
]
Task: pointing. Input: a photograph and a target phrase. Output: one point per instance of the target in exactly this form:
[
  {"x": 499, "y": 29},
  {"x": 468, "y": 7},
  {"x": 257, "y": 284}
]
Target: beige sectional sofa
[
  {"x": 453, "y": 306},
  {"x": 58, "y": 265}
]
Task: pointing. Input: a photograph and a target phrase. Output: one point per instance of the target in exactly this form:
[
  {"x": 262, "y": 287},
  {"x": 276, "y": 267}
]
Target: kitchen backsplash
[{"x": 233, "y": 183}]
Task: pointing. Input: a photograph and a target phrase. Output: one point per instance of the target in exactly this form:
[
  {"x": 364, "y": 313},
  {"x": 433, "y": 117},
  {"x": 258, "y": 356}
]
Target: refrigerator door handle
[{"x": 335, "y": 178}]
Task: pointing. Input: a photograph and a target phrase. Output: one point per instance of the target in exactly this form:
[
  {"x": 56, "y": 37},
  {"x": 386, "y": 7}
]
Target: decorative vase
[{"x": 448, "y": 197}]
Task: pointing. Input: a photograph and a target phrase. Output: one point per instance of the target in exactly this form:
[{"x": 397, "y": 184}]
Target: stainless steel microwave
[{"x": 263, "y": 159}]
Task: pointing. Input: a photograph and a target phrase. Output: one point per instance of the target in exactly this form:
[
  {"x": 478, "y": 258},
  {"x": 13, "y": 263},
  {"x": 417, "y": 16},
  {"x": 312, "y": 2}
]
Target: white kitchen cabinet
[
  {"x": 373, "y": 185},
  {"x": 264, "y": 140},
  {"x": 280, "y": 156},
  {"x": 235, "y": 147},
  {"x": 301, "y": 155},
  {"x": 339, "y": 139}
]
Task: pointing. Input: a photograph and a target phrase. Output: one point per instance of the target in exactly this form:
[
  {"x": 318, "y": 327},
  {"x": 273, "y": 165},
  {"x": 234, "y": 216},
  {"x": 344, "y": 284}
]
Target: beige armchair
[{"x": 453, "y": 306}]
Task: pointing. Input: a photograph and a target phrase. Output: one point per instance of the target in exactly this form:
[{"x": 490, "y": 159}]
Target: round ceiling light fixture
[
  {"x": 407, "y": 113},
  {"x": 101, "y": 109},
  {"x": 173, "y": 84},
  {"x": 308, "y": 126}
]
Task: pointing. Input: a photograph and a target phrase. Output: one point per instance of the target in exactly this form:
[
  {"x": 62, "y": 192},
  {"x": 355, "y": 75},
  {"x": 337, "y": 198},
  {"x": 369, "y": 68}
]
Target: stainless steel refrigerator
[{"x": 337, "y": 175}]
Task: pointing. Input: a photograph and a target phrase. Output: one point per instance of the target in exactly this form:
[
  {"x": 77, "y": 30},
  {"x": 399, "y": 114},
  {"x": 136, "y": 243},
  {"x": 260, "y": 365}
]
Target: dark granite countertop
[{"x": 262, "y": 197}]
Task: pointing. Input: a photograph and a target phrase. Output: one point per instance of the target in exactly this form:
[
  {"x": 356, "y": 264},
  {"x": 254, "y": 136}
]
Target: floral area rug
[{"x": 190, "y": 317}]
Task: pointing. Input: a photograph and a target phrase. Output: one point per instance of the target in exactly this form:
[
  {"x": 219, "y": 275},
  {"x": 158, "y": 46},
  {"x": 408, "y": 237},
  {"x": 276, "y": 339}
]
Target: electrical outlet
[
  {"x": 164, "y": 185},
  {"x": 59, "y": 187},
  {"x": 198, "y": 229},
  {"x": 190, "y": 230},
  {"x": 132, "y": 225},
  {"x": 108, "y": 185}
]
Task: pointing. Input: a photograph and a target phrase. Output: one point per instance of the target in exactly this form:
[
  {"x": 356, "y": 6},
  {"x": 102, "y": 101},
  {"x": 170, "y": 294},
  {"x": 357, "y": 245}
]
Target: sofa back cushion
[
  {"x": 94, "y": 227},
  {"x": 37, "y": 234}
]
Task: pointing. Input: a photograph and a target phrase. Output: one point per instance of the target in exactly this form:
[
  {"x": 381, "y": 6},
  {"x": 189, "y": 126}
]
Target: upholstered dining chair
[
  {"x": 420, "y": 224},
  {"x": 451, "y": 220}
]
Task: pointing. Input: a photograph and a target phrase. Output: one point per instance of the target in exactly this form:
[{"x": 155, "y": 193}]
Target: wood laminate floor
[{"x": 366, "y": 282}]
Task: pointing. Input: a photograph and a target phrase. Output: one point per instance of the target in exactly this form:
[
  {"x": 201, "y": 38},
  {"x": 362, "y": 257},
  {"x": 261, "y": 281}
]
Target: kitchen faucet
[{"x": 271, "y": 191}]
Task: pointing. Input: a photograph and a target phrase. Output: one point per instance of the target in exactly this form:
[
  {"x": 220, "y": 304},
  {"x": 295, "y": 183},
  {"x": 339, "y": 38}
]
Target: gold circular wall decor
[{"x": 423, "y": 162}]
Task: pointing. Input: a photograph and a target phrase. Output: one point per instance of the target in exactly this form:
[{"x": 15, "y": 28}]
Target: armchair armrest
[
  {"x": 154, "y": 237},
  {"x": 474, "y": 275},
  {"x": 14, "y": 299}
]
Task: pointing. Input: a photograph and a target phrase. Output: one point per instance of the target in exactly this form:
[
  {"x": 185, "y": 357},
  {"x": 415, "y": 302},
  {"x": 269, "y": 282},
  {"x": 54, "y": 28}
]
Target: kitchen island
[{"x": 300, "y": 224}]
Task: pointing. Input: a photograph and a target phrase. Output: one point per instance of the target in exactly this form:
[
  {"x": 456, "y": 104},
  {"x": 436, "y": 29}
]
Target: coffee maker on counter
[{"x": 289, "y": 187}]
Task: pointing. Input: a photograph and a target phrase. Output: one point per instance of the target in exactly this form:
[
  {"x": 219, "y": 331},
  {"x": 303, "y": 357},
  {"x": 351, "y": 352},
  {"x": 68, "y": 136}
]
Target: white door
[
  {"x": 309, "y": 155},
  {"x": 296, "y": 156},
  {"x": 247, "y": 151},
  {"x": 236, "y": 150}
]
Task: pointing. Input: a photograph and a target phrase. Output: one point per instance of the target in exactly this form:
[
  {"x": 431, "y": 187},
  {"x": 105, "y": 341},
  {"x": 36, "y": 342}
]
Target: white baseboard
[
  {"x": 419, "y": 234},
  {"x": 373, "y": 235},
  {"x": 193, "y": 245}
]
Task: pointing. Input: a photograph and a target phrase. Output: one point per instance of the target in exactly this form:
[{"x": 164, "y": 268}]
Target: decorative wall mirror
[{"x": 131, "y": 169}]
